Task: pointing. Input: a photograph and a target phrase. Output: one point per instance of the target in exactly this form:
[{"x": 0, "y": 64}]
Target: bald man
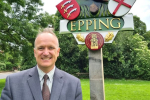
[{"x": 29, "y": 84}]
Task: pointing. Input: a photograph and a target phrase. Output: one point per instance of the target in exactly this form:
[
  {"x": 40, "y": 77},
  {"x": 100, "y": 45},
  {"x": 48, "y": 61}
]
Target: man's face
[{"x": 46, "y": 50}]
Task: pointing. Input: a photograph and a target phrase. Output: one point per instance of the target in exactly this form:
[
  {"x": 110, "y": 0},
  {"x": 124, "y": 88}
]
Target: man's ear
[{"x": 58, "y": 52}]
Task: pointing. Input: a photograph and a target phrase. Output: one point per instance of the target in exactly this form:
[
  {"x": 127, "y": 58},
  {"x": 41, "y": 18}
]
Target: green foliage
[
  {"x": 2, "y": 57},
  {"x": 11, "y": 66},
  {"x": 18, "y": 28},
  {"x": 72, "y": 59},
  {"x": 83, "y": 58},
  {"x": 2, "y": 67},
  {"x": 139, "y": 26},
  {"x": 127, "y": 57},
  {"x": 28, "y": 60},
  {"x": 147, "y": 38}
]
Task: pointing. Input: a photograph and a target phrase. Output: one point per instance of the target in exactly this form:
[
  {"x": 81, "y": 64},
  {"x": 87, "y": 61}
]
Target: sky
[{"x": 141, "y": 8}]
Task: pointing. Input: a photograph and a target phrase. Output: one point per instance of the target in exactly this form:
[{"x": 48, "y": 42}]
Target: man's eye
[
  {"x": 51, "y": 48},
  {"x": 40, "y": 48}
]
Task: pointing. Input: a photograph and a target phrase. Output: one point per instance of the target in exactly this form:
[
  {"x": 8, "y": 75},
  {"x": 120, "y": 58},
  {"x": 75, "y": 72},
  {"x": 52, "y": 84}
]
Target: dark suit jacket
[{"x": 25, "y": 85}]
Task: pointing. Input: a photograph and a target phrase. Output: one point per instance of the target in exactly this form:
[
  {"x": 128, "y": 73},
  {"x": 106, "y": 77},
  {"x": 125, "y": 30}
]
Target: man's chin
[{"x": 45, "y": 66}]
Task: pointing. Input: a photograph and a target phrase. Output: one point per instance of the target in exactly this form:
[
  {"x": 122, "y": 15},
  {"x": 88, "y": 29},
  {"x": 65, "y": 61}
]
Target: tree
[
  {"x": 127, "y": 57},
  {"x": 139, "y": 26},
  {"x": 19, "y": 26},
  {"x": 147, "y": 38}
]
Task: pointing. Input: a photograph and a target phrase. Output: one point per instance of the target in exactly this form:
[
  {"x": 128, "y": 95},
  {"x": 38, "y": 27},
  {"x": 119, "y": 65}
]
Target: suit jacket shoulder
[
  {"x": 24, "y": 85},
  {"x": 65, "y": 86},
  {"x": 66, "y": 75}
]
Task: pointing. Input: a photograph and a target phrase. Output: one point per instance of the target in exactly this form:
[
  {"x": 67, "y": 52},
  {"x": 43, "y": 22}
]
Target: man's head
[{"x": 46, "y": 50}]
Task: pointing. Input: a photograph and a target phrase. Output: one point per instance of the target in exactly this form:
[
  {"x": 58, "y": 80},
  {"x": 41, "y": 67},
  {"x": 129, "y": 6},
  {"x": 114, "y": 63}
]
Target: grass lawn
[
  {"x": 120, "y": 89},
  {"x": 115, "y": 89},
  {"x": 2, "y": 84}
]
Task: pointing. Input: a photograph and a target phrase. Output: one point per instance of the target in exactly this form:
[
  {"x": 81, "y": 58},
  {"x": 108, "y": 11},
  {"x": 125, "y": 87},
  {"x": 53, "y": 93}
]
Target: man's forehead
[{"x": 43, "y": 36}]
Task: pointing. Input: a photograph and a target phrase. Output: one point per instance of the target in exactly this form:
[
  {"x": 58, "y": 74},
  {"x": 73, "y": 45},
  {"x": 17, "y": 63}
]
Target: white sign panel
[{"x": 108, "y": 35}]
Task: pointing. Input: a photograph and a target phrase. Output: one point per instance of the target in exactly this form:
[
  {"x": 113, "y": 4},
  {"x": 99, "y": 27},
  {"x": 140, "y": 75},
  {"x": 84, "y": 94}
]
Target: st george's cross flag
[{"x": 120, "y": 7}]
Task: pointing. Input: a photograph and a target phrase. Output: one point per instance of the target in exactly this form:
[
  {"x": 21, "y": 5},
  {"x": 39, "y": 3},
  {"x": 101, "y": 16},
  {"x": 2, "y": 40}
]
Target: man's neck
[{"x": 45, "y": 69}]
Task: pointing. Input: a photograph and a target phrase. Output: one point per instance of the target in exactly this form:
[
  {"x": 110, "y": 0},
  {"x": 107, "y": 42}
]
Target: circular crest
[{"x": 94, "y": 41}]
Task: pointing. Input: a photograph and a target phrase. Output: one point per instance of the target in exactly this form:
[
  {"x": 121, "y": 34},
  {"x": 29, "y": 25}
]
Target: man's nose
[{"x": 46, "y": 51}]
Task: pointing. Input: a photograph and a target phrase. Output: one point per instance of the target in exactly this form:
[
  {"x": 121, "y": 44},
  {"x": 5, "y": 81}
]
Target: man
[{"x": 30, "y": 85}]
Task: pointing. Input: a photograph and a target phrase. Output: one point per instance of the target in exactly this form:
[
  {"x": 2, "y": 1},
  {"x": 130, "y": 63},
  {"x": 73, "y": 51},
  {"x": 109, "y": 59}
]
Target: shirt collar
[{"x": 41, "y": 73}]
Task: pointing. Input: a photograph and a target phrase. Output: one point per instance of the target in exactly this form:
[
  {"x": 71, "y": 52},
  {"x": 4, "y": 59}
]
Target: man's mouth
[{"x": 47, "y": 58}]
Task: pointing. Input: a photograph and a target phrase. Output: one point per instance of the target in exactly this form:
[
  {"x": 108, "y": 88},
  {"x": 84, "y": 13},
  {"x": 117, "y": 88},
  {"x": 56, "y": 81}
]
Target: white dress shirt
[{"x": 50, "y": 75}]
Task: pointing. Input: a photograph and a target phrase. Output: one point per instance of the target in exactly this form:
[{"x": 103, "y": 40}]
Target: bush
[
  {"x": 10, "y": 66},
  {"x": 24, "y": 67},
  {"x": 2, "y": 67}
]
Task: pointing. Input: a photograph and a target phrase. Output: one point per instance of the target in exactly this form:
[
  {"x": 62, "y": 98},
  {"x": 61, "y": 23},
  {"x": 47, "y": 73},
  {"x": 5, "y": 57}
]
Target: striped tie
[{"x": 45, "y": 90}]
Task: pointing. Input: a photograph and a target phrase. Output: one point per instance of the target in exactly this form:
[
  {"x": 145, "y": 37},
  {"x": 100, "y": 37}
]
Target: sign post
[
  {"x": 96, "y": 75},
  {"x": 97, "y": 23}
]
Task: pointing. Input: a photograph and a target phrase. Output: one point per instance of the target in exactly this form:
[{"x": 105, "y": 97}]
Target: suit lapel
[
  {"x": 57, "y": 85},
  {"x": 34, "y": 84}
]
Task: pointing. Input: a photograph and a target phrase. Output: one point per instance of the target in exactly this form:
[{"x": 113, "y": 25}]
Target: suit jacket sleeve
[
  {"x": 6, "y": 93},
  {"x": 79, "y": 92}
]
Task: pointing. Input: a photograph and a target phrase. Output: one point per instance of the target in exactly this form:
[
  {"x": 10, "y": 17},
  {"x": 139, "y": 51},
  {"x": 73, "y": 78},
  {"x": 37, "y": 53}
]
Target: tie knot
[{"x": 45, "y": 77}]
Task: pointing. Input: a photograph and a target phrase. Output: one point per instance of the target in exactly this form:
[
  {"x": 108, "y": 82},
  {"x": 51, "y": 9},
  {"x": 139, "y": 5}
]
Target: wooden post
[{"x": 96, "y": 75}]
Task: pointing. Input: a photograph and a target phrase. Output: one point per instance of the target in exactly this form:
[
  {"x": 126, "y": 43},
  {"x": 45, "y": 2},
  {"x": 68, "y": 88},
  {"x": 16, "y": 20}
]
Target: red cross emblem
[
  {"x": 121, "y": 3},
  {"x": 120, "y": 7}
]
